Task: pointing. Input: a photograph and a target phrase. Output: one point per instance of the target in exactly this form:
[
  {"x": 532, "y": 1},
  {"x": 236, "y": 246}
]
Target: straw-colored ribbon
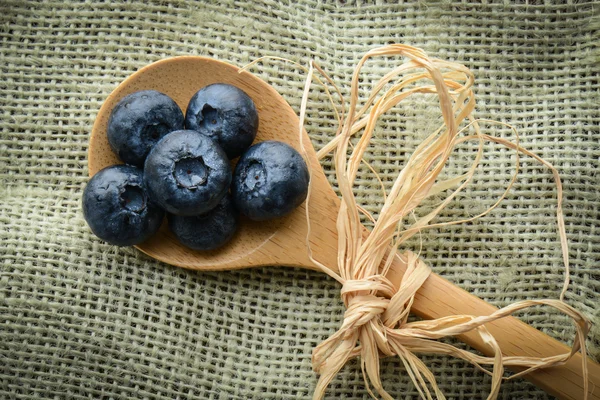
[{"x": 375, "y": 322}]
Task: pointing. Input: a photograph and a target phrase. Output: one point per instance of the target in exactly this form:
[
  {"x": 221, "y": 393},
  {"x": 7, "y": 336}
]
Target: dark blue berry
[
  {"x": 139, "y": 121},
  {"x": 226, "y": 114},
  {"x": 206, "y": 231},
  {"x": 187, "y": 173},
  {"x": 270, "y": 180},
  {"x": 117, "y": 208}
]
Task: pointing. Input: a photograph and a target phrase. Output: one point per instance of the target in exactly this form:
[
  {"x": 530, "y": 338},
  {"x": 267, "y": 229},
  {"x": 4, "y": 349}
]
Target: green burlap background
[{"x": 81, "y": 319}]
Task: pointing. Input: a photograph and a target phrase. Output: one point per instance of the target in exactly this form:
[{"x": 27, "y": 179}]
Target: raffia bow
[
  {"x": 369, "y": 319},
  {"x": 375, "y": 322}
]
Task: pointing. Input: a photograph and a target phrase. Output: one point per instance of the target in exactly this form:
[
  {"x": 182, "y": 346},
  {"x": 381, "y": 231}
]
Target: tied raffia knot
[
  {"x": 373, "y": 324},
  {"x": 361, "y": 300}
]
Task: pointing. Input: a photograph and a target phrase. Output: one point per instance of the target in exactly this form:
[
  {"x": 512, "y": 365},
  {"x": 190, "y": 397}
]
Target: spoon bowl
[
  {"x": 279, "y": 242},
  {"x": 283, "y": 242}
]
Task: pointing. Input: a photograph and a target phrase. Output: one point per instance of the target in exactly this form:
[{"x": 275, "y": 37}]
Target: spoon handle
[{"x": 439, "y": 298}]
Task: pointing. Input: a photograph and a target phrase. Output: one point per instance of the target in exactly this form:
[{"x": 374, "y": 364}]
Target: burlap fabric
[{"x": 81, "y": 319}]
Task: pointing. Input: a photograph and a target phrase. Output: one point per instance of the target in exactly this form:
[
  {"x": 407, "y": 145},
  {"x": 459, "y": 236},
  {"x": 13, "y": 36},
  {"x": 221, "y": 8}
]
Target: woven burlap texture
[{"x": 82, "y": 319}]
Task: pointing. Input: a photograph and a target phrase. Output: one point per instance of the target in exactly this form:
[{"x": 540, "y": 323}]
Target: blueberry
[
  {"x": 206, "y": 231},
  {"x": 187, "y": 173},
  {"x": 270, "y": 180},
  {"x": 117, "y": 208},
  {"x": 139, "y": 121},
  {"x": 226, "y": 114}
]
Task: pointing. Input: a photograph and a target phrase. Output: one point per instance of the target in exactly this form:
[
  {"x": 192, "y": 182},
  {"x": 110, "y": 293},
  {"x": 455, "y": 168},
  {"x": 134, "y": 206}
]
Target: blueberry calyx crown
[
  {"x": 133, "y": 198},
  {"x": 190, "y": 172},
  {"x": 254, "y": 175}
]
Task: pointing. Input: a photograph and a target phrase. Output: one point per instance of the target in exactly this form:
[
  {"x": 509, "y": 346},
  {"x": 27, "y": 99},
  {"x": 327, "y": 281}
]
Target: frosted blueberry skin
[
  {"x": 207, "y": 231},
  {"x": 226, "y": 114},
  {"x": 117, "y": 208},
  {"x": 187, "y": 173},
  {"x": 270, "y": 181},
  {"x": 139, "y": 121}
]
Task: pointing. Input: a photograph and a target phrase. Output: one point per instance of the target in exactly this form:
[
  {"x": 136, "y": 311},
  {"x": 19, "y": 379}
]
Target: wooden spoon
[{"x": 282, "y": 242}]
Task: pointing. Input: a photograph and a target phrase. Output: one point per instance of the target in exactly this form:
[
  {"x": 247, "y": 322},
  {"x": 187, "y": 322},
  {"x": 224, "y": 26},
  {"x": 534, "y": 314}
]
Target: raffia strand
[{"x": 375, "y": 322}]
